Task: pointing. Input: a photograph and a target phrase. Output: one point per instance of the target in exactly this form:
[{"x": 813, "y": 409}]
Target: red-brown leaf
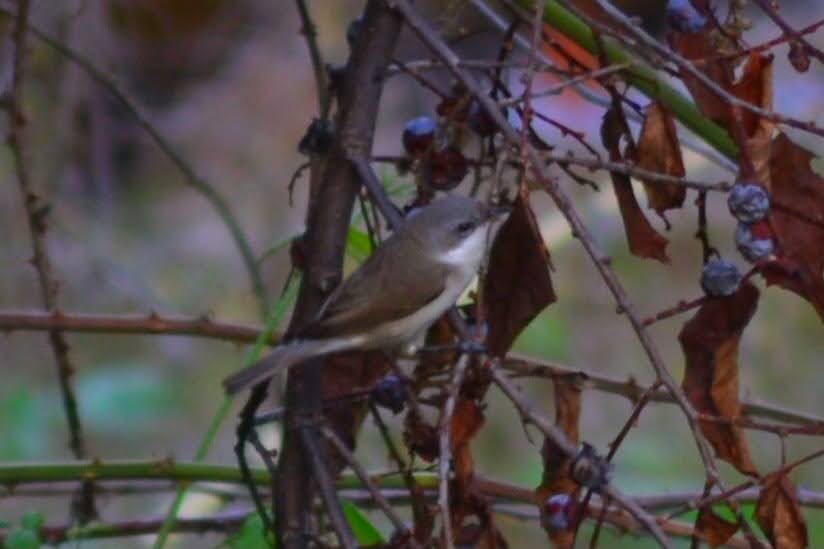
[
  {"x": 713, "y": 529},
  {"x": 467, "y": 420},
  {"x": 644, "y": 241},
  {"x": 797, "y": 217},
  {"x": 710, "y": 344},
  {"x": 557, "y": 477},
  {"x": 517, "y": 285},
  {"x": 659, "y": 151},
  {"x": 778, "y": 514}
]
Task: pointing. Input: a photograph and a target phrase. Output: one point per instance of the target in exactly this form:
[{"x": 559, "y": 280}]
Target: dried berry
[
  {"x": 318, "y": 137},
  {"x": 418, "y": 135},
  {"x": 683, "y": 16},
  {"x": 748, "y": 202},
  {"x": 754, "y": 241},
  {"x": 479, "y": 120},
  {"x": 589, "y": 469},
  {"x": 720, "y": 278},
  {"x": 390, "y": 393},
  {"x": 558, "y": 511},
  {"x": 445, "y": 168}
]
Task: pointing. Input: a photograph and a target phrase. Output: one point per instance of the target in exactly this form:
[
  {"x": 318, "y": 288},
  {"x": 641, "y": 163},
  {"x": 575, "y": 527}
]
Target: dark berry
[
  {"x": 479, "y": 120},
  {"x": 748, "y": 202},
  {"x": 418, "y": 135},
  {"x": 318, "y": 137},
  {"x": 390, "y": 392},
  {"x": 445, "y": 168},
  {"x": 683, "y": 16},
  {"x": 754, "y": 241},
  {"x": 589, "y": 469},
  {"x": 720, "y": 278},
  {"x": 558, "y": 511},
  {"x": 353, "y": 30}
]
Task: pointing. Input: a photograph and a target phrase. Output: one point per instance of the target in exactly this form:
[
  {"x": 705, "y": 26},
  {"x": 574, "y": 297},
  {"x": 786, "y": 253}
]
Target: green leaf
[
  {"x": 365, "y": 532},
  {"x": 358, "y": 245},
  {"x": 33, "y": 521},
  {"x": 22, "y": 538},
  {"x": 251, "y": 535}
]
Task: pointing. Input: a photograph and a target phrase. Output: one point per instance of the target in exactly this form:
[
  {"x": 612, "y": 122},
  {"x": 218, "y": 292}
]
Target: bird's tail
[{"x": 281, "y": 358}]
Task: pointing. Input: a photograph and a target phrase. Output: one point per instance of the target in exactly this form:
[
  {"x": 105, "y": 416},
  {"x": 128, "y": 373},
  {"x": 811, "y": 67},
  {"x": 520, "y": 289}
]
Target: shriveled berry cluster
[
  {"x": 390, "y": 392},
  {"x": 433, "y": 147},
  {"x": 749, "y": 203}
]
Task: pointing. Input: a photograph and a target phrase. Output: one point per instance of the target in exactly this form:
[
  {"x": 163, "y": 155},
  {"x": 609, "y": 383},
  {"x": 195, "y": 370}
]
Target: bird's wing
[{"x": 384, "y": 288}]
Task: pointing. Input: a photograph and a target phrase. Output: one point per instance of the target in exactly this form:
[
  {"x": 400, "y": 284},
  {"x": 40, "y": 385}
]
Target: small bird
[{"x": 408, "y": 282}]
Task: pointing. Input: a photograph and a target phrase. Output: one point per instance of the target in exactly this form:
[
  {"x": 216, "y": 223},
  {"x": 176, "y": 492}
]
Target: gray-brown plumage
[{"x": 407, "y": 283}]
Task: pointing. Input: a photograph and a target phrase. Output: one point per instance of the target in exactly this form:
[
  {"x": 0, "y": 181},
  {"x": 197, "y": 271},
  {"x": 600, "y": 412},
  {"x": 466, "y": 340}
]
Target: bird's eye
[{"x": 465, "y": 227}]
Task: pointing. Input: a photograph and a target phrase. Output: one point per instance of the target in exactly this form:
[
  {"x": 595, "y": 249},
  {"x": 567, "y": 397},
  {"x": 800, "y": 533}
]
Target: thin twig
[
  {"x": 315, "y": 454},
  {"x": 560, "y": 439},
  {"x": 668, "y": 53},
  {"x": 36, "y": 212},
  {"x": 519, "y": 365},
  {"x": 359, "y": 471},
  {"x": 208, "y": 191},
  {"x": 310, "y": 33},
  {"x": 444, "y": 448},
  {"x": 425, "y": 32},
  {"x": 135, "y": 324}
]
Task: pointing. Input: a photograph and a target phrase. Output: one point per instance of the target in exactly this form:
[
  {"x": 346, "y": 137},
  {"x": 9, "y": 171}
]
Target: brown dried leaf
[
  {"x": 643, "y": 240},
  {"x": 659, "y": 151},
  {"x": 756, "y": 87},
  {"x": 467, "y": 420},
  {"x": 778, "y": 514},
  {"x": 517, "y": 285},
  {"x": 710, "y": 343},
  {"x": 557, "y": 478},
  {"x": 797, "y": 217},
  {"x": 713, "y": 529}
]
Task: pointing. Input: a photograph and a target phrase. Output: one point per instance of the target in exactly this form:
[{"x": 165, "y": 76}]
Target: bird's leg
[{"x": 246, "y": 432}]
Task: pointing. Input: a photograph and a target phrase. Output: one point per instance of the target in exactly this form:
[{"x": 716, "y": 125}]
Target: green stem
[
  {"x": 15, "y": 474},
  {"x": 276, "y": 315},
  {"x": 643, "y": 78}
]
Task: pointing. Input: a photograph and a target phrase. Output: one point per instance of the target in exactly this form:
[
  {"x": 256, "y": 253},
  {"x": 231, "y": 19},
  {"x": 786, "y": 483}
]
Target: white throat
[{"x": 469, "y": 253}]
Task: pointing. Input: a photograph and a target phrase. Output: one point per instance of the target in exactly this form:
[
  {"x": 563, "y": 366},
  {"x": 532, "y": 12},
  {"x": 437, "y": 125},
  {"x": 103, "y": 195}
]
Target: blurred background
[{"x": 230, "y": 86}]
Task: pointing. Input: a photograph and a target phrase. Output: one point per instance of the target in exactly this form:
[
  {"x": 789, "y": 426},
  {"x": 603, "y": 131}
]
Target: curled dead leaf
[
  {"x": 659, "y": 151},
  {"x": 644, "y": 240},
  {"x": 710, "y": 343},
  {"x": 779, "y": 515},
  {"x": 714, "y": 529}
]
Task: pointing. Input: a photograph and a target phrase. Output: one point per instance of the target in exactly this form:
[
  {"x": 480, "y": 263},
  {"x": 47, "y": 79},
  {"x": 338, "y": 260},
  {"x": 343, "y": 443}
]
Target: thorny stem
[
  {"x": 154, "y": 324},
  {"x": 580, "y": 230},
  {"x": 210, "y": 193},
  {"x": 310, "y": 33},
  {"x": 36, "y": 213}
]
